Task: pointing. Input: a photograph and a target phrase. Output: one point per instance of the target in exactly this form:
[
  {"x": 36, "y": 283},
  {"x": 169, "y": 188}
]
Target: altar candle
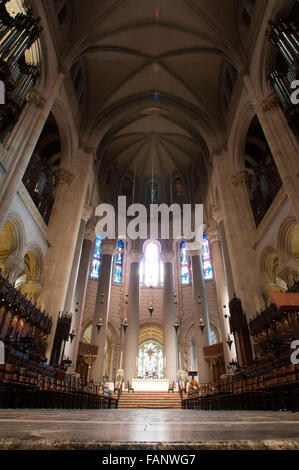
[{"x": 121, "y": 359}]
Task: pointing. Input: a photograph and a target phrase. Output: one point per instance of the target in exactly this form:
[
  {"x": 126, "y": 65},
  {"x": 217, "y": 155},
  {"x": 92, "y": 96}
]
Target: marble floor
[{"x": 155, "y": 429}]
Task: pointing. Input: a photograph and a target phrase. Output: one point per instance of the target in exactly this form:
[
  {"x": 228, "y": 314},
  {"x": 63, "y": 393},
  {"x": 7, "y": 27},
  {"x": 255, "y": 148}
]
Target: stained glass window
[
  {"x": 206, "y": 259},
  {"x": 178, "y": 187},
  {"x": 150, "y": 361},
  {"x": 151, "y": 271},
  {"x": 97, "y": 258},
  {"x": 118, "y": 262},
  {"x": 185, "y": 267},
  {"x": 152, "y": 192}
]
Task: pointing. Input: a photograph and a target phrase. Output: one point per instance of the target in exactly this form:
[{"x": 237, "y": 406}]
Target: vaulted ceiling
[{"x": 154, "y": 73}]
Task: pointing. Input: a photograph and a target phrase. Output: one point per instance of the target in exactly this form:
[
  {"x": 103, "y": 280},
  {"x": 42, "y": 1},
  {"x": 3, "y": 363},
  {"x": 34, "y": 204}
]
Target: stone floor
[{"x": 147, "y": 429}]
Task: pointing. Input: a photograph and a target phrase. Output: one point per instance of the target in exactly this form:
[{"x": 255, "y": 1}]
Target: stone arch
[
  {"x": 237, "y": 143},
  {"x": 29, "y": 281},
  {"x": 19, "y": 233},
  {"x": 288, "y": 249},
  {"x": 214, "y": 329},
  {"x": 68, "y": 138},
  {"x": 288, "y": 240},
  {"x": 33, "y": 263},
  {"x": 151, "y": 332},
  {"x": 269, "y": 265}
]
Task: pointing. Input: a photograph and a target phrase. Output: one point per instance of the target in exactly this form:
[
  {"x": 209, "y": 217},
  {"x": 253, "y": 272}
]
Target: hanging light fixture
[
  {"x": 125, "y": 325},
  {"x": 201, "y": 325},
  {"x": 229, "y": 341},
  {"x": 72, "y": 335},
  {"x": 150, "y": 308},
  {"x": 99, "y": 325},
  {"x": 176, "y": 325}
]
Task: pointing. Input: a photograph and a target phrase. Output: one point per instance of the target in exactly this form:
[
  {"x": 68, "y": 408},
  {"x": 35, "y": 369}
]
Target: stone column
[
  {"x": 63, "y": 233},
  {"x": 23, "y": 142},
  {"x": 202, "y": 338},
  {"x": 70, "y": 304},
  {"x": 239, "y": 233},
  {"x": 170, "y": 347},
  {"x": 282, "y": 142},
  {"x": 80, "y": 294},
  {"x": 101, "y": 310},
  {"x": 222, "y": 293},
  {"x": 132, "y": 333}
]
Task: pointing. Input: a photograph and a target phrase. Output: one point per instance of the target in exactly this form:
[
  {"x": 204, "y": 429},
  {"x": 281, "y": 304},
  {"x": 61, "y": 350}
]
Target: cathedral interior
[{"x": 179, "y": 103}]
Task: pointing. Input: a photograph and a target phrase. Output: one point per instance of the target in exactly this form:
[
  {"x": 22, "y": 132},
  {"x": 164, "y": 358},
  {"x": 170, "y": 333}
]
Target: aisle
[{"x": 153, "y": 429}]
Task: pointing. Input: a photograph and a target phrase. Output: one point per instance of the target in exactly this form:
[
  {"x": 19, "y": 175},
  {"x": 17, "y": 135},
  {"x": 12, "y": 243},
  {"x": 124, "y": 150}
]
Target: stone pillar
[
  {"x": 132, "y": 332},
  {"x": 63, "y": 233},
  {"x": 239, "y": 233},
  {"x": 170, "y": 347},
  {"x": 282, "y": 142},
  {"x": 202, "y": 338},
  {"x": 23, "y": 142},
  {"x": 222, "y": 293},
  {"x": 80, "y": 294},
  {"x": 101, "y": 310},
  {"x": 71, "y": 305}
]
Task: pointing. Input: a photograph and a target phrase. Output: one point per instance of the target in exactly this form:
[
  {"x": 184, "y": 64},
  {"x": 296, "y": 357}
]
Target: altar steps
[{"x": 150, "y": 399}]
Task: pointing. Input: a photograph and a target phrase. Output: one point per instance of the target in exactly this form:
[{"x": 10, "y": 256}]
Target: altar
[{"x": 150, "y": 385}]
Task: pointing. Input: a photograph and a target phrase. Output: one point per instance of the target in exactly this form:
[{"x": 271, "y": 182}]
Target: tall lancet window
[
  {"x": 118, "y": 262},
  {"x": 97, "y": 258},
  {"x": 206, "y": 259},
  {"x": 151, "y": 267},
  {"x": 185, "y": 264}
]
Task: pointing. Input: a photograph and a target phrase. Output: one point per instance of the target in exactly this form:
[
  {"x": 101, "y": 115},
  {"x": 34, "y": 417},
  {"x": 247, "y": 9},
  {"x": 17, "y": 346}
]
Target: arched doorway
[{"x": 150, "y": 354}]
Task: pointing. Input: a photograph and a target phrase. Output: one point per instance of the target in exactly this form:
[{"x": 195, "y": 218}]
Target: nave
[{"x": 139, "y": 430}]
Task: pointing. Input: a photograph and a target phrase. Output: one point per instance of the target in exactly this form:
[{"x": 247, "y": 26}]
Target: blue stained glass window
[
  {"x": 97, "y": 258},
  {"x": 118, "y": 262},
  {"x": 185, "y": 268},
  {"x": 206, "y": 259}
]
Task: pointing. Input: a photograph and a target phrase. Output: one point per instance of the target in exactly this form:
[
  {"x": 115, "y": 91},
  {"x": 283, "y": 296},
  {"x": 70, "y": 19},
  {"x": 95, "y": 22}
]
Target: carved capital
[
  {"x": 218, "y": 152},
  {"x": 217, "y": 214},
  {"x": 271, "y": 102},
  {"x": 90, "y": 233},
  {"x": 64, "y": 176},
  {"x": 88, "y": 150},
  {"x": 213, "y": 235},
  {"x": 240, "y": 178},
  {"x": 36, "y": 99},
  {"x": 86, "y": 213},
  {"x": 108, "y": 247},
  {"x": 135, "y": 256},
  {"x": 243, "y": 71},
  {"x": 62, "y": 69},
  {"x": 168, "y": 256}
]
